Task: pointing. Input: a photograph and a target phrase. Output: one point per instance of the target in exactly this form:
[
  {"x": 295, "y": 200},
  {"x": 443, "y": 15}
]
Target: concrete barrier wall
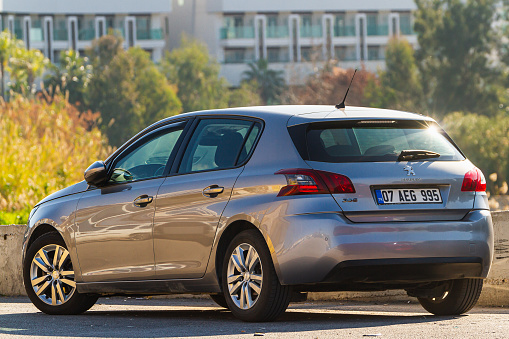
[{"x": 495, "y": 291}]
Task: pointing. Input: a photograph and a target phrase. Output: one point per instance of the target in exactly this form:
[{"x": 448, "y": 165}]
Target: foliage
[
  {"x": 71, "y": 76},
  {"x": 398, "y": 87},
  {"x": 485, "y": 141},
  {"x": 270, "y": 82},
  {"x": 44, "y": 147},
  {"x": 456, "y": 40},
  {"x": 111, "y": 90},
  {"x": 196, "y": 76},
  {"x": 7, "y": 43},
  {"x": 157, "y": 98},
  {"x": 328, "y": 87},
  {"x": 25, "y": 65},
  {"x": 127, "y": 89},
  {"x": 245, "y": 95}
]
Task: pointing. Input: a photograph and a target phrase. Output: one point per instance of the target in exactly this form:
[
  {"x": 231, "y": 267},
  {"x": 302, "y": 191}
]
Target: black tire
[
  {"x": 219, "y": 299},
  {"x": 460, "y": 298},
  {"x": 273, "y": 298},
  {"x": 74, "y": 302}
]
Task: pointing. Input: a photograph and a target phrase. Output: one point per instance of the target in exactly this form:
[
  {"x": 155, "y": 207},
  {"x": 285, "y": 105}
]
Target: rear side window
[
  {"x": 219, "y": 144},
  {"x": 363, "y": 141}
]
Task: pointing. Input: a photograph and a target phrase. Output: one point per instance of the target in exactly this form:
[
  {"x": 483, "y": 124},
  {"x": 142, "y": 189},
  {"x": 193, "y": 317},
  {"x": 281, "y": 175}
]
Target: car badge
[{"x": 409, "y": 169}]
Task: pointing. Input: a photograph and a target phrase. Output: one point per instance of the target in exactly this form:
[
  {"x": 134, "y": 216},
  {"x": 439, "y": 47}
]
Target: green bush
[
  {"x": 485, "y": 141},
  {"x": 44, "y": 147}
]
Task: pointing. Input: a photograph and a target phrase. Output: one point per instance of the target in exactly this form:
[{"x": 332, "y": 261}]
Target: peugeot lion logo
[{"x": 409, "y": 170}]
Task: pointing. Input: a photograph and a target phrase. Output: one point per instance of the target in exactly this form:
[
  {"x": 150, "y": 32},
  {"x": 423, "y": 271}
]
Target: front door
[{"x": 114, "y": 222}]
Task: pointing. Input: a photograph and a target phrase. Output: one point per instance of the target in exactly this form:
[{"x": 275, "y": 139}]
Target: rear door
[
  {"x": 388, "y": 188},
  {"x": 191, "y": 200}
]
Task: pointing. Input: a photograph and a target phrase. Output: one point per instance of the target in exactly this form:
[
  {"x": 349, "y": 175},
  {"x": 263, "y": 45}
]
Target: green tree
[
  {"x": 26, "y": 65},
  {"x": 127, "y": 89},
  {"x": 485, "y": 141},
  {"x": 245, "y": 95},
  {"x": 398, "y": 87},
  {"x": 6, "y": 45},
  {"x": 156, "y": 96},
  {"x": 71, "y": 76},
  {"x": 111, "y": 90},
  {"x": 456, "y": 39},
  {"x": 270, "y": 82},
  {"x": 196, "y": 76}
]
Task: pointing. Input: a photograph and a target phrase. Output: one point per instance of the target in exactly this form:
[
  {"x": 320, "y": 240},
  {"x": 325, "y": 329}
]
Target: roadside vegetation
[{"x": 89, "y": 104}]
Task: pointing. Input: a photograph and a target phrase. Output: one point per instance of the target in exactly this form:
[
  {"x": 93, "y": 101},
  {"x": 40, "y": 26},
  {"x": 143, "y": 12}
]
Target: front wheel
[
  {"x": 48, "y": 275},
  {"x": 459, "y": 298},
  {"x": 250, "y": 284}
]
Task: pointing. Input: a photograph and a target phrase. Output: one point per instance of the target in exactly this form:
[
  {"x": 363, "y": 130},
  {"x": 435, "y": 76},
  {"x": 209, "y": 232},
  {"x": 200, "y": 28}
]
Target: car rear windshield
[{"x": 363, "y": 141}]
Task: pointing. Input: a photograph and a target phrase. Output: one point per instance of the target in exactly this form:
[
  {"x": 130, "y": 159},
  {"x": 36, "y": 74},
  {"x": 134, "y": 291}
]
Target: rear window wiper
[{"x": 413, "y": 154}]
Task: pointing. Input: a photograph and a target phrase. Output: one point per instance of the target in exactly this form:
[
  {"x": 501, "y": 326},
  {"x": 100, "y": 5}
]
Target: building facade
[
  {"x": 56, "y": 25},
  {"x": 294, "y": 36}
]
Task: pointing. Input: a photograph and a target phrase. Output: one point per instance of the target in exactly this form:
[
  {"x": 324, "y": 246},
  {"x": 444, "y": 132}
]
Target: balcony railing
[
  {"x": 277, "y": 32},
  {"x": 344, "y": 31},
  {"x": 378, "y": 30},
  {"x": 60, "y": 34},
  {"x": 243, "y": 32},
  {"x": 311, "y": 31},
  {"x": 86, "y": 34},
  {"x": 149, "y": 34}
]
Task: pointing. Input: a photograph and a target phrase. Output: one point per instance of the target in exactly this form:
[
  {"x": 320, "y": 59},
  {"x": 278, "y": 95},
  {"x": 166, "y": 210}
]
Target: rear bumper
[
  {"x": 404, "y": 271},
  {"x": 328, "y": 248}
]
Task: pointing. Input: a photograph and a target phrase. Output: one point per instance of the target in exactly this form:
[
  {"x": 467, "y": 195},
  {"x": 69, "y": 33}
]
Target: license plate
[{"x": 408, "y": 196}]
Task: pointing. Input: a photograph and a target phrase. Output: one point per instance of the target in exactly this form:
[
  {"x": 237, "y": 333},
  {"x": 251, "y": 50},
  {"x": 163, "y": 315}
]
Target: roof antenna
[{"x": 342, "y": 104}]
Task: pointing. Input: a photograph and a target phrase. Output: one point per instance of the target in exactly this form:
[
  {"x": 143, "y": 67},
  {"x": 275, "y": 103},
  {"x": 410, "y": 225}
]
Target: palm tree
[{"x": 270, "y": 82}]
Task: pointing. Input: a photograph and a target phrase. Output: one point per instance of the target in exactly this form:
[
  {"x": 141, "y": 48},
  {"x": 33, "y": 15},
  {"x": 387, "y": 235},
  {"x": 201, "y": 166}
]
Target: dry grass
[{"x": 44, "y": 147}]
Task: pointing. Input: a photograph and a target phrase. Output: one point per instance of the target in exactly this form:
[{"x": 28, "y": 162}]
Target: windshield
[{"x": 363, "y": 141}]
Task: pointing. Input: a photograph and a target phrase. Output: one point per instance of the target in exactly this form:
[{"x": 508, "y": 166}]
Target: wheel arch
[
  {"x": 40, "y": 230},
  {"x": 227, "y": 236}
]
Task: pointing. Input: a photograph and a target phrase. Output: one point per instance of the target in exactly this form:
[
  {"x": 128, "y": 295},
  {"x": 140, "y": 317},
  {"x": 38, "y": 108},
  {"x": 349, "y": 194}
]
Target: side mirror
[{"x": 96, "y": 174}]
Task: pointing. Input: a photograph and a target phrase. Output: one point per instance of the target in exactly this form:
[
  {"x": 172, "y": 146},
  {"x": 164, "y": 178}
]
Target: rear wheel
[
  {"x": 250, "y": 284},
  {"x": 459, "y": 298},
  {"x": 48, "y": 275}
]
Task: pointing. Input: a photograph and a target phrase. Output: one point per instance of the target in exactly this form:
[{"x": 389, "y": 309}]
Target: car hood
[{"x": 73, "y": 189}]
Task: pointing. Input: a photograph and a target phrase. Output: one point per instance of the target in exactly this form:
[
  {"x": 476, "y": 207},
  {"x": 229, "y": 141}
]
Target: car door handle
[
  {"x": 143, "y": 200},
  {"x": 212, "y": 191}
]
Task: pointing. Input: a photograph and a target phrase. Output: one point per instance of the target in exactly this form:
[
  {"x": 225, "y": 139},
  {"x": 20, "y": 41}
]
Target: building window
[
  {"x": 238, "y": 55},
  {"x": 374, "y": 53},
  {"x": 405, "y": 24}
]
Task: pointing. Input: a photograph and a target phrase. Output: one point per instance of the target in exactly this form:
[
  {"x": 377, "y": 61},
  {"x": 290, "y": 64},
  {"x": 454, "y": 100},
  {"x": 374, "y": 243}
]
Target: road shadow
[{"x": 202, "y": 321}]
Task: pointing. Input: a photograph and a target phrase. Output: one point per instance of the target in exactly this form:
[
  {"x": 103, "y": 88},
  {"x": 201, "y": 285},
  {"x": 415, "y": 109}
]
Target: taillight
[
  {"x": 306, "y": 181},
  {"x": 474, "y": 181}
]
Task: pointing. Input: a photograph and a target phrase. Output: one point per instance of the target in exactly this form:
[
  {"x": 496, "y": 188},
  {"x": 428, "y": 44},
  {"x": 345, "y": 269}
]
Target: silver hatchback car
[{"x": 257, "y": 206}]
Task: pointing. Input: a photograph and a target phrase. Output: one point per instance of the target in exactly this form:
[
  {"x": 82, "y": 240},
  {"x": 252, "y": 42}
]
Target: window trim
[
  {"x": 144, "y": 138},
  {"x": 192, "y": 129}
]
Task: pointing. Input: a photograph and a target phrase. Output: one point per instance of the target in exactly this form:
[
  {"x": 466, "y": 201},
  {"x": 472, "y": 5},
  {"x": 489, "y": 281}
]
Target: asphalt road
[{"x": 158, "y": 318}]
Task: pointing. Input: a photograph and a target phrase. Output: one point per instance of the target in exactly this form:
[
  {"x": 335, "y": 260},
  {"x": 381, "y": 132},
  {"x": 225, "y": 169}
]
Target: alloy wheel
[
  {"x": 244, "y": 276},
  {"x": 52, "y": 275}
]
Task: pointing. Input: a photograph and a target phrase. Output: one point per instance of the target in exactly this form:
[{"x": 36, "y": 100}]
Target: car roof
[{"x": 298, "y": 114}]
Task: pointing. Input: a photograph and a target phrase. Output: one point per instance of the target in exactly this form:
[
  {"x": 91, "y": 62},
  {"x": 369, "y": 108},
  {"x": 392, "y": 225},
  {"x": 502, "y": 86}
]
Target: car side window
[
  {"x": 149, "y": 159},
  {"x": 215, "y": 144}
]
